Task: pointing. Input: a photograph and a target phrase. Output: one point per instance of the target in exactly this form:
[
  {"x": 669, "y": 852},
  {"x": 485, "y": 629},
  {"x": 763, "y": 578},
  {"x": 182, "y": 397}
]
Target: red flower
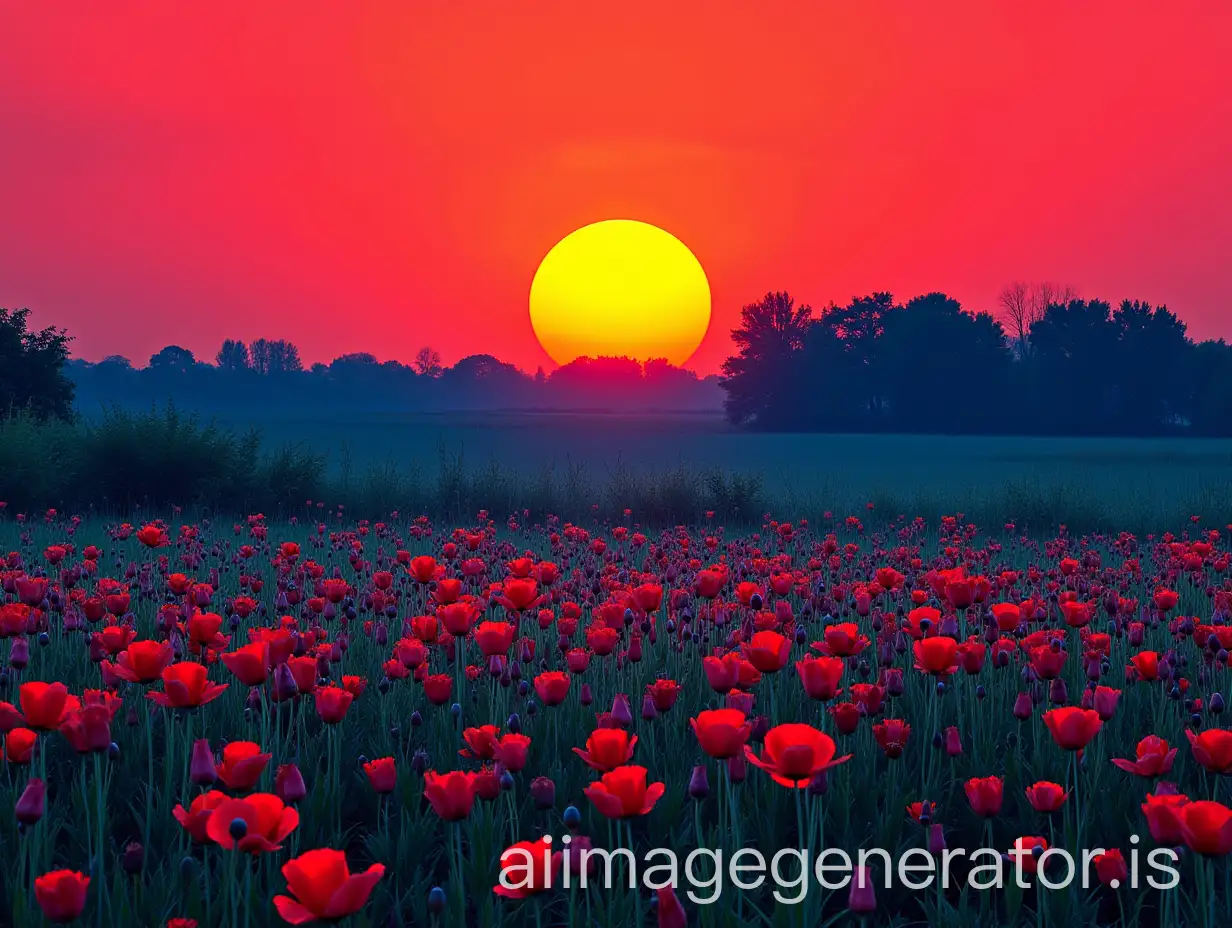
[
  {"x": 333, "y": 703},
  {"x": 480, "y": 742},
  {"x": 794, "y": 754},
  {"x": 185, "y": 686},
  {"x": 842, "y": 640},
  {"x": 1046, "y": 797},
  {"x": 324, "y": 888},
  {"x": 1212, "y": 749},
  {"x": 1163, "y": 817},
  {"x": 249, "y": 663},
  {"x": 1146, "y": 664},
  {"x": 44, "y": 705},
  {"x": 143, "y": 661},
  {"x": 382, "y": 774},
  {"x": 1207, "y": 828},
  {"x": 722, "y": 733},
  {"x": 663, "y": 693},
  {"x": 438, "y": 687},
  {"x": 552, "y": 686},
  {"x": 511, "y": 751},
  {"x": 452, "y": 795},
  {"x": 1073, "y": 728},
  {"x": 623, "y": 793},
  {"x": 535, "y": 865},
  {"x": 820, "y": 676},
  {"x": 266, "y": 822},
  {"x": 196, "y": 818},
  {"x": 494, "y": 638},
  {"x": 1111, "y": 869},
  {"x": 19, "y": 745},
  {"x": 1023, "y": 853},
  {"x": 892, "y": 735},
  {"x": 61, "y": 894},
  {"x": 1154, "y": 757},
  {"x": 607, "y": 749},
  {"x": 242, "y": 765},
  {"x": 937, "y": 655},
  {"x": 87, "y": 728},
  {"x": 985, "y": 795}
]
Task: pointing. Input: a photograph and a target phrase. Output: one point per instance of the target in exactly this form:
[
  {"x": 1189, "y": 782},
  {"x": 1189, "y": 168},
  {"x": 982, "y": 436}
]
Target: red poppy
[
  {"x": 624, "y": 793},
  {"x": 552, "y": 686},
  {"x": 511, "y": 750},
  {"x": 1111, "y": 869},
  {"x": 795, "y": 753},
  {"x": 480, "y": 742},
  {"x": 663, "y": 693},
  {"x": 323, "y": 888},
  {"x": 494, "y": 638}
]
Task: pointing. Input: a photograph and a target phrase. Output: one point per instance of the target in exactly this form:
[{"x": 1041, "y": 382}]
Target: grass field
[{"x": 1098, "y": 482}]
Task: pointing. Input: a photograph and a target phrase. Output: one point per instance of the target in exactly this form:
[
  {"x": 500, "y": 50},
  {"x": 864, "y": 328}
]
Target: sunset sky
[{"x": 381, "y": 176}]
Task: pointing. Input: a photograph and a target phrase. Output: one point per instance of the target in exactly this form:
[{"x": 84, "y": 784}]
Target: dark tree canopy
[{"x": 32, "y": 368}]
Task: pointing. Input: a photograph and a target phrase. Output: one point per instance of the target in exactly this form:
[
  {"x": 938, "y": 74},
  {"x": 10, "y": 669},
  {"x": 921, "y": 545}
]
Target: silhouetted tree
[
  {"x": 1023, "y": 305},
  {"x": 32, "y": 365},
  {"x": 427, "y": 362},
  {"x": 117, "y": 360},
  {"x": 942, "y": 369},
  {"x": 233, "y": 356},
  {"x": 771, "y": 331},
  {"x": 173, "y": 358},
  {"x": 355, "y": 357},
  {"x": 275, "y": 357}
]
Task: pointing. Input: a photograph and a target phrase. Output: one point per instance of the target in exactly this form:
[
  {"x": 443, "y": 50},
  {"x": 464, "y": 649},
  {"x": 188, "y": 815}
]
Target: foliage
[{"x": 32, "y": 377}]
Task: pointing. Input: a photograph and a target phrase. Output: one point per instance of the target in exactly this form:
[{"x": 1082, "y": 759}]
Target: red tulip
[
  {"x": 1072, "y": 728},
  {"x": 1207, "y": 828},
  {"x": 452, "y": 795},
  {"x": 1212, "y": 749},
  {"x": 323, "y": 888},
  {"x": 624, "y": 793},
  {"x": 607, "y": 749},
  {"x": 795, "y": 753},
  {"x": 527, "y": 868},
  {"x": 382, "y": 774},
  {"x": 985, "y": 795},
  {"x": 721, "y": 733},
  {"x": 61, "y": 894},
  {"x": 185, "y": 686},
  {"x": 266, "y": 822},
  {"x": 1154, "y": 758}
]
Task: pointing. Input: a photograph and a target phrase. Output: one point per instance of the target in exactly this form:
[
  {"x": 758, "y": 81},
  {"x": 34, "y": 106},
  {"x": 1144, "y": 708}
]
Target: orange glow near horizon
[
  {"x": 620, "y": 288},
  {"x": 383, "y": 176}
]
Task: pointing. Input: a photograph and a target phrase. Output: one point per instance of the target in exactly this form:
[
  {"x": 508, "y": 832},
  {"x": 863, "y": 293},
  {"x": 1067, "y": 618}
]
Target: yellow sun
[{"x": 620, "y": 288}]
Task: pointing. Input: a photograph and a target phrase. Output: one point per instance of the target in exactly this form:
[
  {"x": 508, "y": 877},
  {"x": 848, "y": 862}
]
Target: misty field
[{"x": 575, "y": 459}]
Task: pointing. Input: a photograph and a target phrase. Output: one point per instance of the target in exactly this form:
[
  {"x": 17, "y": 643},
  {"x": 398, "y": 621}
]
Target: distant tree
[
  {"x": 32, "y": 365},
  {"x": 117, "y": 361},
  {"x": 278, "y": 356},
  {"x": 427, "y": 362},
  {"x": 1023, "y": 305},
  {"x": 173, "y": 357},
  {"x": 233, "y": 356},
  {"x": 771, "y": 331},
  {"x": 941, "y": 368},
  {"x": 318, "y": 368},
  {"x": 355, "y": 357}
]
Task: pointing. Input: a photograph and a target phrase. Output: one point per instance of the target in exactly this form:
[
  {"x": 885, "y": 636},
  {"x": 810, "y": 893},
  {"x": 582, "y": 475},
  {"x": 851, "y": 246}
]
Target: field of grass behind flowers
[{"x": 248, "y": 722}]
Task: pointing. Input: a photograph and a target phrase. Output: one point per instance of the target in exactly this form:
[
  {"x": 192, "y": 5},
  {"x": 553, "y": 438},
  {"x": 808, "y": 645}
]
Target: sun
[{"x": 620, "y": 288}]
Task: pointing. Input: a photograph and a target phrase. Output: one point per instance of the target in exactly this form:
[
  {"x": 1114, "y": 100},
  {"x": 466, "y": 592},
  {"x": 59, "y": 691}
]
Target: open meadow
[{"x": 248, "y": 720}]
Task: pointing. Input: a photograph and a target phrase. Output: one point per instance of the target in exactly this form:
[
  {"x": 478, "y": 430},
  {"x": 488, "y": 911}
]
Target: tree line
[
  {"x": 269, "y": 377},
  {"x": 1049, "y": 363}
]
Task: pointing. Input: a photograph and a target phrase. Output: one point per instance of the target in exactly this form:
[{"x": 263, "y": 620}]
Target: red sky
[{"x": 379, "y": 176}]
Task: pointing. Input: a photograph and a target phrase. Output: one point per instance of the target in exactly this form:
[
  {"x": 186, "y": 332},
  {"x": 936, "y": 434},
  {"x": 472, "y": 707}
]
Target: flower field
[{"x": 254, "y": 721}]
